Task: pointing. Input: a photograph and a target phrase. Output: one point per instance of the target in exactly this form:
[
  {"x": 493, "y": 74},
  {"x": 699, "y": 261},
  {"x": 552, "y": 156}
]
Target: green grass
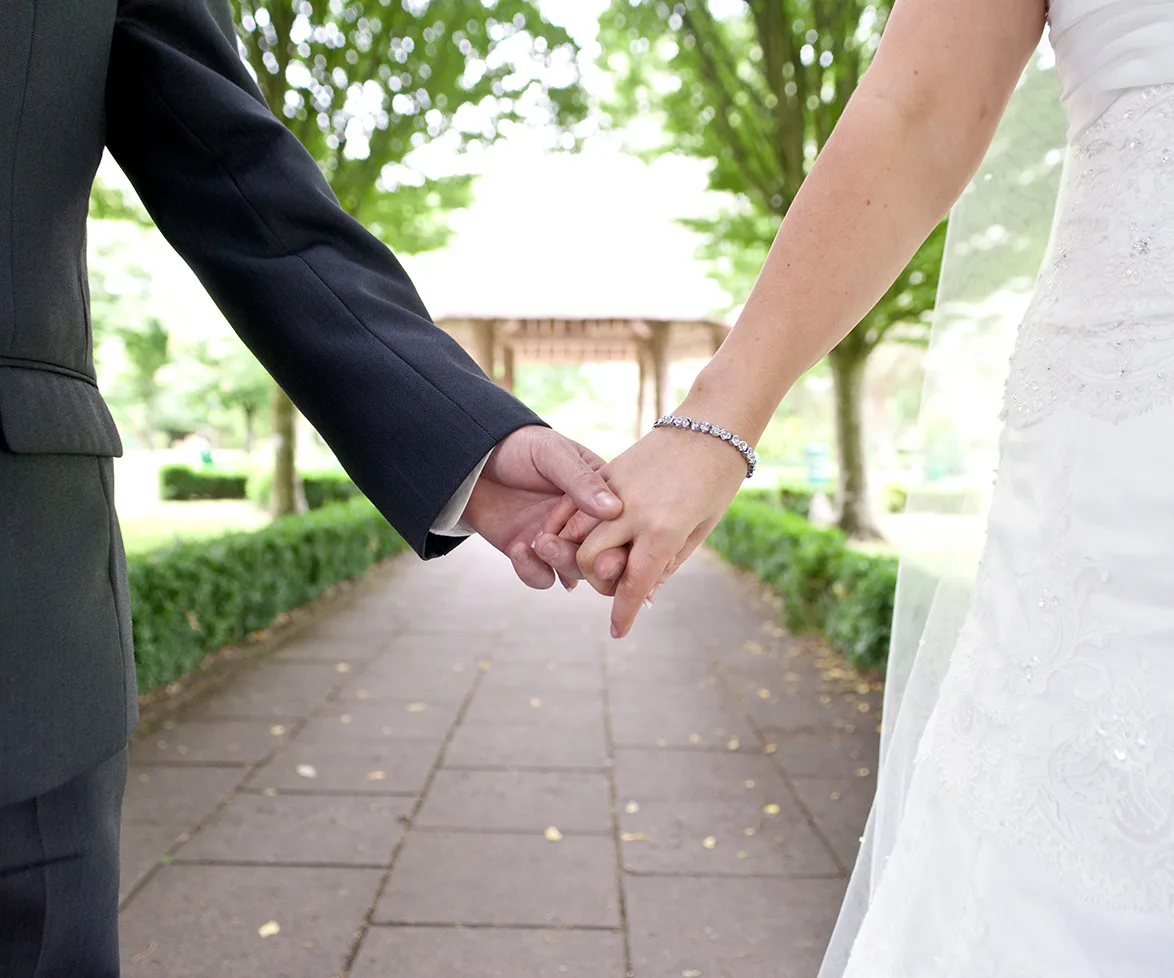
[{"x": 148, "y": 528}]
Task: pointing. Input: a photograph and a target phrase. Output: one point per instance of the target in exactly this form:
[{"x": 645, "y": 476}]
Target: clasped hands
[{"x": 558, "y": 511}]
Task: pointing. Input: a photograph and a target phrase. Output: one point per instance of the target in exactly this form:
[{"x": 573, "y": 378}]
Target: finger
[
  {"x": 530, "y": 570},
  {"x": 609, "y": 565},
  {"x": 646, "y": 565},
  {"x": 605, "y": 538},
  {"x": 559, "y": 554},
  {"x": 568, "y": 583},
  {"x": 589, "y": 457},
  {"x": 695, "y": 540},
  {"x": 560, "y": 516},
  {"x": 579, "y": 527},
  {"x": 561, "y": 461}
]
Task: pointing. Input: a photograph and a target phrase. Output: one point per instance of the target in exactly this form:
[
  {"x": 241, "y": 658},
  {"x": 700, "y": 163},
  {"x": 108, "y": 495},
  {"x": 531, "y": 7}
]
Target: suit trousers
[{"x": 59, "y": 878}]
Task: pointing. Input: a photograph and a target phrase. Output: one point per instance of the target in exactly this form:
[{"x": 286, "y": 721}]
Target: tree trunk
[
  {"x": 287, "y": 496},
  {"x": 855, "y": 519},
  {"x": 250, "y": 422}
]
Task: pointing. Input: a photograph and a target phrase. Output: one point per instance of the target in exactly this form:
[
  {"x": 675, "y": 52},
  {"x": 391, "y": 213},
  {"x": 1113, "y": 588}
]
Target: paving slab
[
  {"x": 217, "y": 742},
  {"x": 729, "y": 928},
  {"x": 176, "y": 796},
  {"x": 467, "y": 878},
  {"x": 518, "y": 801},
  {"x": 301, "y": 829},
  {"x": 275, "y": 691},
  {"x": 197, "y": 921},
  {"x": 576, "y": 748},
  {"x": 464, "y": 952},
  {"x": 348, "y": 768}
]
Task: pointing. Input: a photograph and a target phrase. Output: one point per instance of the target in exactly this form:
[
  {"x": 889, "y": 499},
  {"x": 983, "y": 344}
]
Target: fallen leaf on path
[
  {"x": 632, "y": 807},
  {"x": 636, "y": 837},
  {"x": 709, "y": 842},
  {"x": 417, "y": 707},
  {"x": 376, "y": 775},
  {"x": 342, "y": 667},
  {"x": 307, "y": 771},
  {"x": 277, "y": 730},
  {"x": 553, "y": 835},
  {"x": 271, "y": 929},
  {"x": 772, "y": 809}
]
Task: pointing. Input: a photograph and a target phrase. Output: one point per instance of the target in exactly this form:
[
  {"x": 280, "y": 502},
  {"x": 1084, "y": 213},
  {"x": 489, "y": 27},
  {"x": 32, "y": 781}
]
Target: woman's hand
[{"x": 675, "y": 485}]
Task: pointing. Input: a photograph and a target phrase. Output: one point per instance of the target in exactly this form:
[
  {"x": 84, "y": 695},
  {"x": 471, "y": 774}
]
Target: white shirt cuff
[{"x": 450, "y": 522}]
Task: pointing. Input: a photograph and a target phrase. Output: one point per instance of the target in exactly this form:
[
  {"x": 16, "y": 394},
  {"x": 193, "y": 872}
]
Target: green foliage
[
  {"x": 363, "y": 84},
  {"x": 195, "y": 598},
  {"x": 178, "y": 483},
  {"x": 794, "y": 498},
  {"x": 111, "y": 204},
  {"x": 756, "y": 92},
  {"x": 320, "y": 488},
  {"x": 825, "y": 586}
]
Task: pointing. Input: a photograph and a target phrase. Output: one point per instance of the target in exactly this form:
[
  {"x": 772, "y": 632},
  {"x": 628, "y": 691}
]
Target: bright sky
[{"x": 574, "y": 234}]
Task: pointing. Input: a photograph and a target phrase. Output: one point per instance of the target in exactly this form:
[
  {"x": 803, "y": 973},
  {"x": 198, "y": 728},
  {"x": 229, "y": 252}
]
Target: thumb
[{"x": 561, "y": 461}]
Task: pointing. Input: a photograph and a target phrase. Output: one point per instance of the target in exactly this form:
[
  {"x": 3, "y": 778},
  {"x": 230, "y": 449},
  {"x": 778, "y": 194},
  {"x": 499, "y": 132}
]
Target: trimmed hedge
[
  {"x": 796, "y": 498},
  {"x": 320, "y": 488},
  {"x": 180, "y": 483},
  {"x": 825, "y": 586},
  {"x": 194, "y": 598}
]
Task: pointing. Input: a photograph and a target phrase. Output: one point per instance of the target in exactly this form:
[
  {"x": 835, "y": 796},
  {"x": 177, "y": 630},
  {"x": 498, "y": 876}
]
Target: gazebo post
[
  {"x": 660, "y": 367},
  {"x": 508, "y": 362},
  {"x": 642, "y": 356},
  {"x": 485, "y": 352}
]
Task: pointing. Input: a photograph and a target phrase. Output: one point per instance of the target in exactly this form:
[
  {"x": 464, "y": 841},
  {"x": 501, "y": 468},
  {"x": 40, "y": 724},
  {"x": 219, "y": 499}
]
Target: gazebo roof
[{"x": 584, "y": 339}]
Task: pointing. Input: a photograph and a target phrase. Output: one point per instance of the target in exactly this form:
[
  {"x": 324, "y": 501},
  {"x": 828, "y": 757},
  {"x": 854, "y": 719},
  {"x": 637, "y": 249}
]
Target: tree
[
  {"x": 146, "y": 354},
  {"x": 755, "y": 87},
  {"x": 365, "y": 83},
  {"x": 234, "y": 381}
]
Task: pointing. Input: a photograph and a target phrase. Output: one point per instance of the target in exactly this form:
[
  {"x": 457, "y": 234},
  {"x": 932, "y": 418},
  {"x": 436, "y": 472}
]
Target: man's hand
[{"x": 527, "y": 475}]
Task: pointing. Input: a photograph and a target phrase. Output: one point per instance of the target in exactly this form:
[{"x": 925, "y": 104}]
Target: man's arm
[{"x": 320, "y": 301}]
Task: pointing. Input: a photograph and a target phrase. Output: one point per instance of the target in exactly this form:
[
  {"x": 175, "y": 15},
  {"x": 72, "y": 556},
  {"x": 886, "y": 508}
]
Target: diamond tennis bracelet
[{"x": 748, "y": 453}]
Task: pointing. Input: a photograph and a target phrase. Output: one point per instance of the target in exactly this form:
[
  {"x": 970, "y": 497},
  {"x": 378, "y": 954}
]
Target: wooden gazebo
[{"x": 500, "y": 344}]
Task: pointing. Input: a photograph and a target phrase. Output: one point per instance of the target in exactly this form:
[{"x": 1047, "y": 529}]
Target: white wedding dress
[{"x": 1037, "y": 836}]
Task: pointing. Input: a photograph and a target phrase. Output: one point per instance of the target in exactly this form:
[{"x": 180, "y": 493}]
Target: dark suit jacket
[{"x": 321, "y": 302}]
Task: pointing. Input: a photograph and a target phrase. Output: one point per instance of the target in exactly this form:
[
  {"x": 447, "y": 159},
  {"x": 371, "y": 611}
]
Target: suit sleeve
[{"x": 322, "y": 303}]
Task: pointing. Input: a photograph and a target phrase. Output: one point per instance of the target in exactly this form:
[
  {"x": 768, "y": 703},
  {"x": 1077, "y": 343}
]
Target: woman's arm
[{"x": 909, "y": 141}]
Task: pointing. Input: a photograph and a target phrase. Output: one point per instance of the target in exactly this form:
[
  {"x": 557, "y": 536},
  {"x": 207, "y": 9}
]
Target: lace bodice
[{"x": 1099, "y": 335}]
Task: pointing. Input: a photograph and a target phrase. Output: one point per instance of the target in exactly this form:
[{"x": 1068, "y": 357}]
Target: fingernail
[
  {"x": 607, "y": 500},
  {"x": 571, "y": 586},
  {"x": 652, "y": 595},
  {"x": 549, "y": 551},
  {"x": 615, "y": 631}
]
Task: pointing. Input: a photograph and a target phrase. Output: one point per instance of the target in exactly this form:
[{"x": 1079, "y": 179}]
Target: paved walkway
[{"x": 454, "y": 777}]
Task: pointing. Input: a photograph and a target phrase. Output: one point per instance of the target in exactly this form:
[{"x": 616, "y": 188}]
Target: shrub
[
  {"x": 194, "y": 598},
  {"x": 796, "y": 498},
  {"x": 180, "y": 483},
  {"x": 825, "y": 586},
  {"x": 320, "y": 488}
]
